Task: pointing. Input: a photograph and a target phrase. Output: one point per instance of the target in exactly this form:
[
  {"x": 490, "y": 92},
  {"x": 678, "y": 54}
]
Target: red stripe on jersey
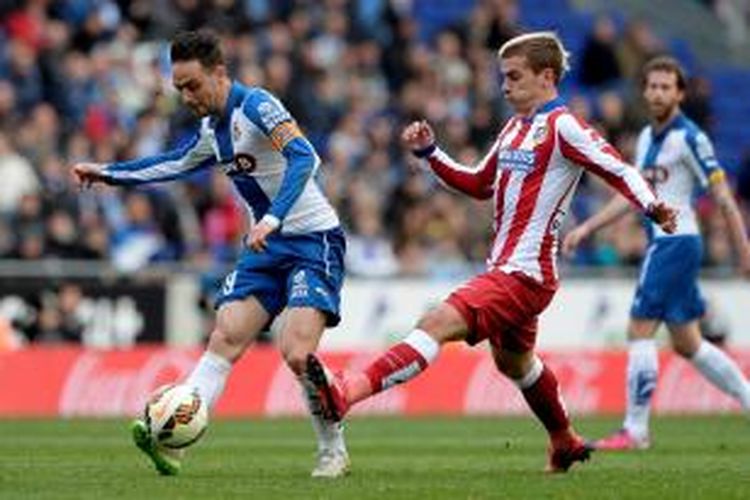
[
  {"x": 530, "y": 188},
  {"x": 505, "y": 176},
  {"x": 546, "y": 263},
  {"x": 578, "y": 157}
]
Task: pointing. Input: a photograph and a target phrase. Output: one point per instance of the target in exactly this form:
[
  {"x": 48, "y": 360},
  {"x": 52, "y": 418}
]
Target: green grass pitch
[{"x": 435, "y": 458}]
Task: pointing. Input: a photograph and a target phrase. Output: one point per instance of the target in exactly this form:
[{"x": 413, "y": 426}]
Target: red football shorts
[{"x": 503, "y": 308}]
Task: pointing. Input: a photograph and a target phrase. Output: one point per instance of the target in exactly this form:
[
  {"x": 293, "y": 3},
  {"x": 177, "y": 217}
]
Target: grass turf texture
[{"x": 707, "y": 457}]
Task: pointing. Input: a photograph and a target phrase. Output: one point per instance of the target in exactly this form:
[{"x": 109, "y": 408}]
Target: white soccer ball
[{"x": 176, "y": 415}]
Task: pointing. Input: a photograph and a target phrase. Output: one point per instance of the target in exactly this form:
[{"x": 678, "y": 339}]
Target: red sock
[
  {"x": 545, "y": 401},
  {"x": 400, "y": 363}
]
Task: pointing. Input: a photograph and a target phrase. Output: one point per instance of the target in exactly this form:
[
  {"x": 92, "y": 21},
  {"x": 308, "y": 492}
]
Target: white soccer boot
[{"x": 332, "y": 463}]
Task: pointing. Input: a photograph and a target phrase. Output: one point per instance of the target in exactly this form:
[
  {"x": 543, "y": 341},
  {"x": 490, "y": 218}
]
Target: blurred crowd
[{"x": 89, "y": 80}]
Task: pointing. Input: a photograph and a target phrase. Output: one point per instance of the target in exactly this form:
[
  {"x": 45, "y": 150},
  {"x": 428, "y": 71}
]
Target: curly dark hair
[{"x": 203, "y": 46}]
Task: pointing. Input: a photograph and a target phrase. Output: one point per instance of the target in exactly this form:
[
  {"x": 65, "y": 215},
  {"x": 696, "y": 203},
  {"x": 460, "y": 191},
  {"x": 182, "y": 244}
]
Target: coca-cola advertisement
[
  {"x": 92, "y": 312},
  {"x": 463, "y": 381}
]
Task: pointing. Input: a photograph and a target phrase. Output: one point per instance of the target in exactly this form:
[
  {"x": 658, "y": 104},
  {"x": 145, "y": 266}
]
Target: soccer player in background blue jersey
[
  {"x": 295, "y": 253},
  {"x": 676, "y": 157}
]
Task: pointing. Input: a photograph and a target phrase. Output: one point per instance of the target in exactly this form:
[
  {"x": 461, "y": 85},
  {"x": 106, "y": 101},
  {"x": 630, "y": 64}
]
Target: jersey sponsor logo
[
  {"x": 655, "y": 174},
  {"x": 283, "y": 134},
  {"x": 243, "y": 163},
  {"x": 271, "y": 115},
  {"x": 517, "y": 159}
]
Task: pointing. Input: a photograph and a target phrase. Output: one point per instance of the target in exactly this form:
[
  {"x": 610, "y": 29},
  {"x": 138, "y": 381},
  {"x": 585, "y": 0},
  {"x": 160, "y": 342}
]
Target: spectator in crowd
[
  {"x": 89, "y": 79},
  {"x": 599, "y": 66}
]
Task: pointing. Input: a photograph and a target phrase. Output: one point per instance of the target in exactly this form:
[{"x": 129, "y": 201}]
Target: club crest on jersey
[
  {"x": 236, "y": 132},
  {"x": 517, "y": 159},
  {"x": 539, "y": 136}
]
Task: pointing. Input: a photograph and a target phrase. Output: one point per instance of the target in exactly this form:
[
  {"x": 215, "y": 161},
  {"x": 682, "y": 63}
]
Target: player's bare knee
[
  {"x": 228, "y": 343},
  {"x": 686, "y": 349},
  {"x": 440, "y": 324}
]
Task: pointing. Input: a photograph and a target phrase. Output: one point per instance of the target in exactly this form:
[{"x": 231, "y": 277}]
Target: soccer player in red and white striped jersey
[{"x": 530, "y": 173}]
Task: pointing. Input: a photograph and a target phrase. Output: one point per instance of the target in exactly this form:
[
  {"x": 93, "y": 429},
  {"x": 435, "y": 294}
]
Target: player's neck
[
  {"x": 222, "y": 96},
  {"x": 658, "y": 125},
  {"x": 539, "y": 102}
]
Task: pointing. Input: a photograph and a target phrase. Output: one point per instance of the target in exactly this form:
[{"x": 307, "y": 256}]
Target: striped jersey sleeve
[
  {"x": 701, "y": 157},
  {"x": 585, "y": 147},
  {"x": 268, "y": 114},
  {"x": 196, "y": 153}
]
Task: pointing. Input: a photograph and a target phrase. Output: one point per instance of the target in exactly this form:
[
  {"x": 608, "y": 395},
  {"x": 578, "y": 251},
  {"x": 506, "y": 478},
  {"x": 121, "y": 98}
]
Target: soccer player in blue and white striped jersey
[
  {"x": 677, "y": 158},
  {"x": 295, "y": 253}
]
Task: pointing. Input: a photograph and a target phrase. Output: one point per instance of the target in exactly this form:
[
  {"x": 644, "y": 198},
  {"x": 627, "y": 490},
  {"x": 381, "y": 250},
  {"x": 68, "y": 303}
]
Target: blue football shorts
[
  {"x": 668, "y": 285},
  {"x": 301, "y": 270}
]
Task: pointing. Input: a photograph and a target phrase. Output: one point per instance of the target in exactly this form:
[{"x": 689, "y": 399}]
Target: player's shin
[
  {"x": 400, "y": 363},
  {"x": 642, "y": 372},
  {"x": 330, "y": 435},
  {"x": 723, "y": 372},
  {"x": 542, "y": 393},
  {"x": 209, "y": 376}
]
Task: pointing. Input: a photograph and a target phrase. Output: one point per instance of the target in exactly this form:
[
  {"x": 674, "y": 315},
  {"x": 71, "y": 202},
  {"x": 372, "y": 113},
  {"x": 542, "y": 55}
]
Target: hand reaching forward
[
  {"x": 87, "y": 174},
  {"x": 664, "y": 215}
]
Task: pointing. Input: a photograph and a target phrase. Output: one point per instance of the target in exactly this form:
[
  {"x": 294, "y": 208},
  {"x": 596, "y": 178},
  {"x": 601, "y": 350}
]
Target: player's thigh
[
  {"x": 686, "y": 337},
  {"x": 503, "y": 308},
  {"x": 642, "y": 328},
  {"x": 300, "y": 335},
  {"x": 238, "y": 323},
  {"x": 444, "y": 323}
]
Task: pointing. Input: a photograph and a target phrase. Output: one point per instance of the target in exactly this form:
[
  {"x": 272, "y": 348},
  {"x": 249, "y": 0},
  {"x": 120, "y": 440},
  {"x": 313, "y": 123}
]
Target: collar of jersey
[
  {"x": 236, "y": 95},
  {"x": 545, "y": 108},
  {"x": 675, "y": 123}
]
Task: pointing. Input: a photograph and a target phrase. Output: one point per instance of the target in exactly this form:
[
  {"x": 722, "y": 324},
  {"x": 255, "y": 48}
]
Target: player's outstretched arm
[
  {"x": 582, "y": 145},
  {"x": 616, "y": 208},
  {"x": 476, "y": 182},
  {"x": 195, "y": 154},
  {"x": 722, "y": 194}
]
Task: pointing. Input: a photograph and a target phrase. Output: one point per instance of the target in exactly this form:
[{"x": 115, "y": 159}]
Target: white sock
[
  {"x": 723, "y": 372},
  {"x": 537, "y": 367},
  {"x": 642, "y": 372},
  {"x": 209, "y": 376},
  {"x": 424, "y": 344},
  {"x": 330, "y": 436}
]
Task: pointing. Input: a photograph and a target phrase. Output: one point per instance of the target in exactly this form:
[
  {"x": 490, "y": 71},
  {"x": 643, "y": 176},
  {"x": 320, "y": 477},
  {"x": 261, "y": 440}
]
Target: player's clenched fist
[{"x": 418, "y": 135}]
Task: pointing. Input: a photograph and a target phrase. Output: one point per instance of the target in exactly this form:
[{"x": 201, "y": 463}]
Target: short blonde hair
[{"x": 542, "y": 49}]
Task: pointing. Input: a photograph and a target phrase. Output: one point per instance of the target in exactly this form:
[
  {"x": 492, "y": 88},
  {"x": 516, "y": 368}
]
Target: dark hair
[
  {"x": 203, "y": 46},
  {"x": 667, "y": 64}
]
